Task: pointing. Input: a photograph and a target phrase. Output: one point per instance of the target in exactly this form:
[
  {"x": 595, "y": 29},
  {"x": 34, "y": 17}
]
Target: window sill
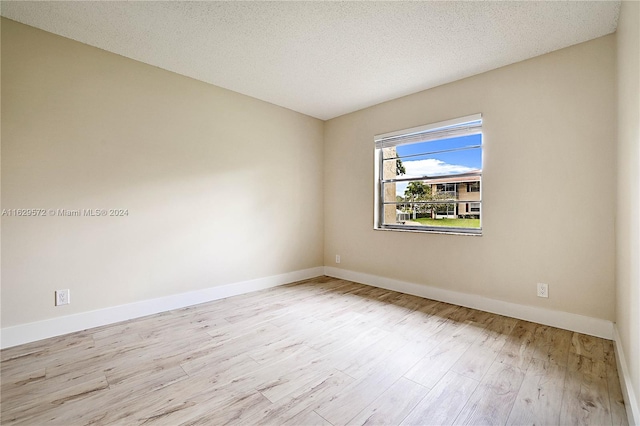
[{"x": 477, "y": 233}]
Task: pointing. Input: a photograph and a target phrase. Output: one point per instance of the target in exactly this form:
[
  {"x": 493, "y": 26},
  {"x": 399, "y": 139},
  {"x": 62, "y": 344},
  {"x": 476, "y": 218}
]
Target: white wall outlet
[
  {"x": 337, "y": 258},
  {"x": 543, "y": 290},
  {"x": 63, "y": 297}
]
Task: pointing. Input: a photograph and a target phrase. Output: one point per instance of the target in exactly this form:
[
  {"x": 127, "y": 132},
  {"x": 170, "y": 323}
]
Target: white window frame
[{"x": 463, "y": 126}]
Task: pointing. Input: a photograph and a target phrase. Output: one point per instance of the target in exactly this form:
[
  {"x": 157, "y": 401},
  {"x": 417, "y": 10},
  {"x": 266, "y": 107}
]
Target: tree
[
  {"x": 400, "y": 170},
  {"x": 417, "y": 191}
]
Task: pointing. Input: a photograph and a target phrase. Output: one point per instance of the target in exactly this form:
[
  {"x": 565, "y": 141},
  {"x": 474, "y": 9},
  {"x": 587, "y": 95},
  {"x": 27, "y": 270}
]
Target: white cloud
[
  {"x": 432, "y": 167},
  {"x": 428, "y": 167}
]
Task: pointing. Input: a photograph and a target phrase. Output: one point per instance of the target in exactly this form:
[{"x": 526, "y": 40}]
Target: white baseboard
[
  {"x": 630, "y": 401},
  {"x": 573, "y": 322},
  {"x": 31, "y": 332}
]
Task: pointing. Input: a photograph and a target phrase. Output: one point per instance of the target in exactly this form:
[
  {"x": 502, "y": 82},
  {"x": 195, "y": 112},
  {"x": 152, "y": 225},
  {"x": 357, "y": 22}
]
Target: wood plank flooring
[{"x": 319, "y": 352}]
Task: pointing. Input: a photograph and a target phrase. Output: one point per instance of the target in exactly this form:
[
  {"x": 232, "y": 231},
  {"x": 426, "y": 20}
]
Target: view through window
[{"x": 429, "y": 178}]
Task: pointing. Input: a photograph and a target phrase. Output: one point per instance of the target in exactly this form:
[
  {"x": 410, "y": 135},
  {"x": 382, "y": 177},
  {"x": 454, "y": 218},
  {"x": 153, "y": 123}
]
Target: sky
[{"x": 440, "y": 164}]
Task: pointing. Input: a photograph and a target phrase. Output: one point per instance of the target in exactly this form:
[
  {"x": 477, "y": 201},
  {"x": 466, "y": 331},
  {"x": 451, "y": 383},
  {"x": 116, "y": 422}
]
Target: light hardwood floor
[{"x": 319, "y": 352}]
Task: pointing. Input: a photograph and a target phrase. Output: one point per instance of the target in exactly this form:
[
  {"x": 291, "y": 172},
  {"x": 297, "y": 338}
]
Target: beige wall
[
  {"x": 220, "y": 187},
  {"x": 549, "y": 122},
  {"x": 628, "y": 211}
]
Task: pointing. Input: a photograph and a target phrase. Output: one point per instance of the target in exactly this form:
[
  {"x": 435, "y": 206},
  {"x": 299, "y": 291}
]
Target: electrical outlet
[
  {"x": 543, "y": 290},
  {"x": 337, "y": 258},
  {"x": 63, "y": 297}
]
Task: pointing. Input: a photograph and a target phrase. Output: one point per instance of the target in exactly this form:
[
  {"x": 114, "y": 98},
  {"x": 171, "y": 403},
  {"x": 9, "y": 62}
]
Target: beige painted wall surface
[
  {"x": 548, "y": 185},
  {"x": 628, "y": 211},
  {"x": 220, "y": 187}
]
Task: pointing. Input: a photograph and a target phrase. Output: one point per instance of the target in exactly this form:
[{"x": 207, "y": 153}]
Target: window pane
[
  {"x": 425, "y": 203},
  {"x": 438, "y": 215},
  {"x": 439, "y": 145},
  {"x": 445, "y": 163},
  {"x": 451, "y": 215}
]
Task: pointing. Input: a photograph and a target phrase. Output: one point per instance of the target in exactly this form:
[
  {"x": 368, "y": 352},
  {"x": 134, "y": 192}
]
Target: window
[
  {"x": 473, "y": 187},
  {"x": 447, "y": 188},
  {"x": 421, "y": 176}
]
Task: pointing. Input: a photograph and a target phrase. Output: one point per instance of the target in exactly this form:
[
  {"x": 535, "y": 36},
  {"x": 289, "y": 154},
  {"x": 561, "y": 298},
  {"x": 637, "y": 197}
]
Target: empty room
[{"x": 320, "y": 213}]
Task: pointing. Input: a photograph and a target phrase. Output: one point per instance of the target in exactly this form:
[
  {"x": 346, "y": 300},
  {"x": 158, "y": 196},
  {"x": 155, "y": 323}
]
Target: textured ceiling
[{"x": 323, "y": 59}]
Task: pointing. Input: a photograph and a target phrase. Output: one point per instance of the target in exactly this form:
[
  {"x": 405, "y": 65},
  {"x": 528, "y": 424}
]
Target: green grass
[{"x": 455, "y": 223}]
